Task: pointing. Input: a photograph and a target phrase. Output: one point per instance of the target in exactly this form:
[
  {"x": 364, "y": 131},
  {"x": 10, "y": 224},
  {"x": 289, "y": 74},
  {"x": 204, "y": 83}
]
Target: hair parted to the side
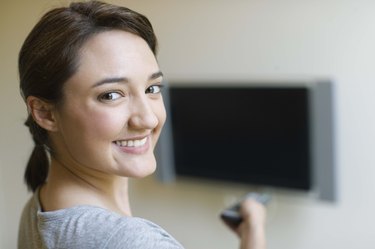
[{"x": 50, "y": 56}]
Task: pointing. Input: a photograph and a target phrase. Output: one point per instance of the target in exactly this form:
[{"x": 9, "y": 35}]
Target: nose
[{"x": 143, "y": 115}]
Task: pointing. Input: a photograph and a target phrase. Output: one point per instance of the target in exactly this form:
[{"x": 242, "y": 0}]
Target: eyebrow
[{"x": 112, "y": 80}]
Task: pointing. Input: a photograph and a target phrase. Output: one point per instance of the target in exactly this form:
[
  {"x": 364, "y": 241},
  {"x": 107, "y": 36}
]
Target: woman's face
[{"x": 113, "y": 111}]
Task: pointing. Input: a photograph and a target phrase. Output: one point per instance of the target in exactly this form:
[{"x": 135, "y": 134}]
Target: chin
[
  {"x": 142, "y": 171},
  {"x": 142, "y": 174}
]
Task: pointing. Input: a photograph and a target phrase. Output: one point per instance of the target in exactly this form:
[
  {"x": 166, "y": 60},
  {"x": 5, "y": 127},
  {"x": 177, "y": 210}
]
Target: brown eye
[
  {"x": 154, "y": 89},
  {"x": 110, "y": 96}
]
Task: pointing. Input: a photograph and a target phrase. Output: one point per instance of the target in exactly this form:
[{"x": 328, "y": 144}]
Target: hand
[
  {"x": 252, "y": 229},
  {"x": 253, "y": 214}
]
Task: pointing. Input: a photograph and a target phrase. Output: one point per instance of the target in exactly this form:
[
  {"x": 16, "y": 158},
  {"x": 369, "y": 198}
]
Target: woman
[{"x": 92, "y": 86}]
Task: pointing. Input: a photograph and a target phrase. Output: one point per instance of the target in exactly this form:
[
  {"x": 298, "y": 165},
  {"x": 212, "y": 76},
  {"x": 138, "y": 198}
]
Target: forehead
[
  {"x": 115, "y": 54},
  {"x": 115, "y": 47}
]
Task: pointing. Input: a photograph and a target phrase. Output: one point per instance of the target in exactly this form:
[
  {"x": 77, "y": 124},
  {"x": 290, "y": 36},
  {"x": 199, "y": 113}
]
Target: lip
[{"x": 134, "y": 150}]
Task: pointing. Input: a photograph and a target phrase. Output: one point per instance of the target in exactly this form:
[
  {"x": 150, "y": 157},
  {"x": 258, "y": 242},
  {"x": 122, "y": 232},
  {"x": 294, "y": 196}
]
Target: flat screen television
[{"x": 262, "y": 135}]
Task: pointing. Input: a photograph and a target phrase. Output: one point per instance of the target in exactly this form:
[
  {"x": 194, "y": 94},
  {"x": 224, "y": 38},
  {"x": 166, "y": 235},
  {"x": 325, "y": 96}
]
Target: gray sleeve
[{"x": 141, "y": 234}]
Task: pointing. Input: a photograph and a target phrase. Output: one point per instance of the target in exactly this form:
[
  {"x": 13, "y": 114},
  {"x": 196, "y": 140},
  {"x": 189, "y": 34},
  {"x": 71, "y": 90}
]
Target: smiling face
[{"x": 112, "y": 112}]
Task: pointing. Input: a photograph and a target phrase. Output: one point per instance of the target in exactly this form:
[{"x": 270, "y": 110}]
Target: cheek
[
  {"x": 92, "y": 126},
  {"x": 105, "y": 124}
]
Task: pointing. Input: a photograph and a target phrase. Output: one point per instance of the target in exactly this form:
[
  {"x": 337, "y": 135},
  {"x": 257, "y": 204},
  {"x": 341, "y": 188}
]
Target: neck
[{"x": 68, "y": 187}]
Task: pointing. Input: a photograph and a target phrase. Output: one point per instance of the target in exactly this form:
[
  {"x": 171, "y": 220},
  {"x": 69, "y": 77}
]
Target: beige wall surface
[{"x": 237, "y": 40}]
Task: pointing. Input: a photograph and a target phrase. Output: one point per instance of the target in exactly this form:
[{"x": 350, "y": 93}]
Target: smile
[{"x": 131, "y": 143}]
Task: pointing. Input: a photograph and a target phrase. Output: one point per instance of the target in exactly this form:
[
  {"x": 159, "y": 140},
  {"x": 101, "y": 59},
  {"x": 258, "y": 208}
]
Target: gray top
[{"x": 88, "y": 227}]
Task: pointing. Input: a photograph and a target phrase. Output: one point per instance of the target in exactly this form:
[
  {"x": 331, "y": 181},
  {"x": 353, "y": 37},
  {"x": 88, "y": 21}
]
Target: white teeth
[
  {"x": 131, "y": 143},
  {"x": 137, "y": 143}
]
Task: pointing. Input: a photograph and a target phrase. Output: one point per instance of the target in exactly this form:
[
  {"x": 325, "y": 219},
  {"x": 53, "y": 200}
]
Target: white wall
[{"x": 239, "y": 40}]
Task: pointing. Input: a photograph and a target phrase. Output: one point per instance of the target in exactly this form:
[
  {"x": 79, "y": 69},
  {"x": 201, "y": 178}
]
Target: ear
[{"x": 42, "y": 113}]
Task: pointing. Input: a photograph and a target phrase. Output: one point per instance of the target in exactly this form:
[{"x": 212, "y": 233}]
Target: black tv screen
[{"x": 245, "y": 134}]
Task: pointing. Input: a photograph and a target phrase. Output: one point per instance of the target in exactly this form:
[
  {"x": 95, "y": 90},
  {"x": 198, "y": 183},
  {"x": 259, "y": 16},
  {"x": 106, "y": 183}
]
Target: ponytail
[{"x": 37, "y": 167}]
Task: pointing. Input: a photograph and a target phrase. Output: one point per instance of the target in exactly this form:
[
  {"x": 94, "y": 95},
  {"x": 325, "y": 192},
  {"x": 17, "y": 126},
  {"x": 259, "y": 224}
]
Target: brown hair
[{"x": 49, "y": 57}]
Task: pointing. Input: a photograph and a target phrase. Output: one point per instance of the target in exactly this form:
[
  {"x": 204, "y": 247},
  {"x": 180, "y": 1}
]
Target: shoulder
[
  {"x": 105, "y": 229},
  {"x": 140, "y": 233},
  {"x": 90, "y": 227}
]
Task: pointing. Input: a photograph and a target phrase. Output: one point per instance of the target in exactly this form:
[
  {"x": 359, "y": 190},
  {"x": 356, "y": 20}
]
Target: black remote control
[{"x": 232, "y": 215}]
